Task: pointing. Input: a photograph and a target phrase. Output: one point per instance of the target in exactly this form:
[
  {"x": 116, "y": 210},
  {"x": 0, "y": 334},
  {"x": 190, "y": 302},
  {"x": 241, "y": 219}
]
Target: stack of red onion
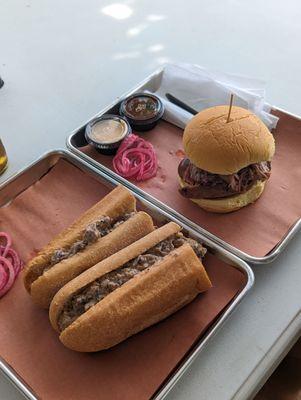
[
  {"x": 136, "y": 159},
  {"x": 10, "y": 264}
]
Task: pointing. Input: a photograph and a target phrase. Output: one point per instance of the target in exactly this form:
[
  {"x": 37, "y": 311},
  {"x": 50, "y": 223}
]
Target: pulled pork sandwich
[{"x": 228, "y": 163}]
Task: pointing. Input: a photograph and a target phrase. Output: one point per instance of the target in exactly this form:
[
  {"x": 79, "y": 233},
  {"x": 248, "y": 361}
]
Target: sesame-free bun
[
  {"x": 233, "y": 203},
  {"x": 224, "y": 148},
  {"x": 142, "y": 301}
]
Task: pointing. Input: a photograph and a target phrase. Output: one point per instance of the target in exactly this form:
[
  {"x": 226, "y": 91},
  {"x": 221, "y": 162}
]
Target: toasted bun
[
  {"x": 229, "y": 204},
  {"x": 119, "y": 201},
  {"x": 44, "y": 288},
  {"x": 225, "y": 148},
  {"x": 144, "y": 300}
]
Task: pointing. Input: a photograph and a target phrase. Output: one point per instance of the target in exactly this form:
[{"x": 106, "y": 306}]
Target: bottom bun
[{"x": 229, "y": 204}]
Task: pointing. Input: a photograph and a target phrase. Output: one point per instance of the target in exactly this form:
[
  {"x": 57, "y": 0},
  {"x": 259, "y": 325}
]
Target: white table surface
[{"x": 62, "y": 61}]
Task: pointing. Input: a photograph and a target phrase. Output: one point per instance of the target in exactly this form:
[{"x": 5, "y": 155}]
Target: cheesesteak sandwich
[
  {"x": 228, "y": 163},
  {"x": 104, "y": 229},
  {"x": 130, "y": 290}
]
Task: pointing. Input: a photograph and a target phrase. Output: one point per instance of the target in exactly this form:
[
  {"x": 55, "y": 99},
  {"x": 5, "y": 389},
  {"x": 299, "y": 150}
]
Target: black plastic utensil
[{"x": 180, "y": 103}]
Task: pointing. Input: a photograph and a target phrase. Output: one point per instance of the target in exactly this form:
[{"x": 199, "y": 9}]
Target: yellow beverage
[{"x": 3, "y": 158}]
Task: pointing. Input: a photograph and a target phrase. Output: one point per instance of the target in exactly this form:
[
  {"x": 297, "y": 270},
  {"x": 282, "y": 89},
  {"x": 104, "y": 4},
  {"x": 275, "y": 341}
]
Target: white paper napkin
[{"x": 201, "y": 88}]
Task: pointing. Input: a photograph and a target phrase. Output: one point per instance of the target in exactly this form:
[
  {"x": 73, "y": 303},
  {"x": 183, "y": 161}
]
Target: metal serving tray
[
  {"x": 77, "y": 139},
  {"x": 31, "y": 174}
]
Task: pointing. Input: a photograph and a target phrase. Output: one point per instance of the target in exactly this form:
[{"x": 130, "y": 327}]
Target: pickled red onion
[
  {"x": 3, "y": 277},
  {"x": 10, "y": 265},
  {"x": 8, "y": 243},
  {"x": 136, "y": 159},
  {"x": 13, "y": 257},
  {"x": 8, "y": 283}
]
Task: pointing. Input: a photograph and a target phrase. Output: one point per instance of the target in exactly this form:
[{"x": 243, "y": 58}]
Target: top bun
[{"x": 225, "y": 148}]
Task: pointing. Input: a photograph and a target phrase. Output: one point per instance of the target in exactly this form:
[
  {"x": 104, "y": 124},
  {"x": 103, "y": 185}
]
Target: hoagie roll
[
  {"x": 104, "y": 229},
  {"x": 130, "y": 290}
]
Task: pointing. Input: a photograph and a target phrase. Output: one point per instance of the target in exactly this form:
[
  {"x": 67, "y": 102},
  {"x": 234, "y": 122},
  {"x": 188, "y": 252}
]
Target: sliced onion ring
[
  {"x": 11, "y": 275},
  {"x": 8, "y": 243},
  {"x": 3, "y": 277},
  {"x": 10, "y": 265},
  {"x": 14, "y": 258}
]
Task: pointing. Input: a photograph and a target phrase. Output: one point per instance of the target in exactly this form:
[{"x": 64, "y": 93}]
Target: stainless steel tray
[
  {"x": 77, "y": 139},
  {"x": 28, "y": 176}
]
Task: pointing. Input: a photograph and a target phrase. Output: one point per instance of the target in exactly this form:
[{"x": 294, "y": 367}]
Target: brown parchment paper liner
[
  {"x": 256, "y": 229},
  {"x": 132, "y": 370}
]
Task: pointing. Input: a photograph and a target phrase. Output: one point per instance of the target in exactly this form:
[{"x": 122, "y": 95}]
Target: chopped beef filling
[
  {"x": 93, "y": 231},
  {"x": 81, "y": 301},
  {"x": 200, "y": 184}
]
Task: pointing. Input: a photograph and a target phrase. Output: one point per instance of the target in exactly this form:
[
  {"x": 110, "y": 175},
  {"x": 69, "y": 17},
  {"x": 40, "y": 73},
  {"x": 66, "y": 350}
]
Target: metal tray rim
[
  {"x": 274, "y": 253},
  {"x": 183, "y": 366}
]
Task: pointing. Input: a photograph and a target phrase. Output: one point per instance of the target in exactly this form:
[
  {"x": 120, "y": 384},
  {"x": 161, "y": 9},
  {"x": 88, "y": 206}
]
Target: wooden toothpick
[{"x": 230, "y": 107}]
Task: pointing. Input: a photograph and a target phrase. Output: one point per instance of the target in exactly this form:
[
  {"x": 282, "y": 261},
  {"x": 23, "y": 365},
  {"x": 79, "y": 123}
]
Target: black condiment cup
[
  {"x": 107, "y": 147},
  {"x": 142, "y": 110}
]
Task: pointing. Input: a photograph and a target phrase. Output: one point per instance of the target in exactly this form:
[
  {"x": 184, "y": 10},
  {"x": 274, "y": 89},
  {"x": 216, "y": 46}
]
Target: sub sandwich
[
  {"x": 130, "y": 290},
  {"x": 104, "y": 229}
]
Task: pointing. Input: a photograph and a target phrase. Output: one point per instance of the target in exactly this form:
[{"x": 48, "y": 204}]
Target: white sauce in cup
[{"x": 108, "y": 130}]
